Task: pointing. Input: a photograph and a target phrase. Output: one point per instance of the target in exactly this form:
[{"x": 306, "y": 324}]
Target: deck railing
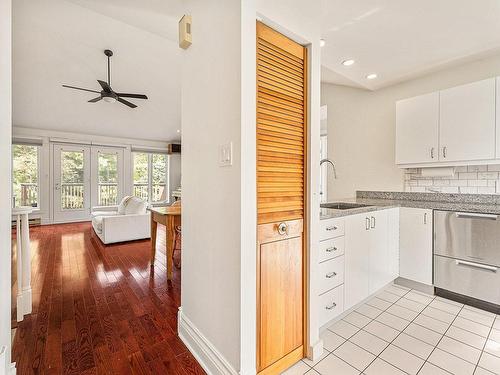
[
  {"x": 108, "y": 194},
  {"x": 72, "y": 196},
  {"x": 29, "y": 195},
  {"x": 141, "y": 191}
]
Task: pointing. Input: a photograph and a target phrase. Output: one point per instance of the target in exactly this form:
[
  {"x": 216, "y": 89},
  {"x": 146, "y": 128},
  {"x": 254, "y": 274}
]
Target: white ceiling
[
  {"x": 60, "y": 41},
  {"x": 404, "y": 39}
]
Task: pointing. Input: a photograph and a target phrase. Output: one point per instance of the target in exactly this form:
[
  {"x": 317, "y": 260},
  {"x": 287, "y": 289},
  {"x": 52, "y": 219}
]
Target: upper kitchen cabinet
[
  {"x": 467, "y": 122},
  {"x": 450, "y": 127},
  {"x": 417, "y": 129}
]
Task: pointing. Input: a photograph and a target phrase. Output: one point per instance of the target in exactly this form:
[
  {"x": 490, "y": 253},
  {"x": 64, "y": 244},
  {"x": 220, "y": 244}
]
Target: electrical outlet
[{"x": 226, "y": 155}]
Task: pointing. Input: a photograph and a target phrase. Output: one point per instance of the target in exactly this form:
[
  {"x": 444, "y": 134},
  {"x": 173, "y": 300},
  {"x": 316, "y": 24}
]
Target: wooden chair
[{"x": 177, "y": 240}]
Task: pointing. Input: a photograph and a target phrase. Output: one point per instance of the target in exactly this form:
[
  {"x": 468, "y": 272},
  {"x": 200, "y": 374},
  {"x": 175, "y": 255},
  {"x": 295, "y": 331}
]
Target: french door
[
  {"x": 71, "y": 183},
  {"x": 85, "y": 177}
]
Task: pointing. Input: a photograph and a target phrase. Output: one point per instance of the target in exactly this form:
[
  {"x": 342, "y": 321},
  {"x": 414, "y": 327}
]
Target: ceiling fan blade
[
  {"x": 136, "y": 96},
  {"x": 95, "y": 99},
  {"x": 79, "y": 88},
  {"x": 105, "y": 86},
  {"x": 131, "y": 105}
]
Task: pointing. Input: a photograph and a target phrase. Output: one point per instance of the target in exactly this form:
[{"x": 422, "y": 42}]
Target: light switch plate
[{"x": 226, "y": 155}]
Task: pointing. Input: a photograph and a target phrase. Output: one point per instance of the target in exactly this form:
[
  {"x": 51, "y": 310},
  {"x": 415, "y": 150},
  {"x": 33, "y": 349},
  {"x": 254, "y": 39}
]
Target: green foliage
[{"x": 25, "y": 175}]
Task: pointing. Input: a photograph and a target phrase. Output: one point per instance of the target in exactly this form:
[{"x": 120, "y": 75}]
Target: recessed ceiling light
[
  {"x": 178, "y": 130},
  {"x": 322, "y": 42},
  {"x": 371, "y": 76},
  {"x": 348, "y": 62}
]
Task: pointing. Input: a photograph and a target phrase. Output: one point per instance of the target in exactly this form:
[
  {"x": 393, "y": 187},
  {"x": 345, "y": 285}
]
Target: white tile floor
[{"x": 403, "y": 331}]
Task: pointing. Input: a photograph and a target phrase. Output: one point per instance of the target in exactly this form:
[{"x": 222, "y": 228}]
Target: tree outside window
[{"x": 25, "y": 175}]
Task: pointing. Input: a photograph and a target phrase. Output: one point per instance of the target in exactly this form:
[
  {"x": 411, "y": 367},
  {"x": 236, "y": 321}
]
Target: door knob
[{"x": 282, "y": 228}]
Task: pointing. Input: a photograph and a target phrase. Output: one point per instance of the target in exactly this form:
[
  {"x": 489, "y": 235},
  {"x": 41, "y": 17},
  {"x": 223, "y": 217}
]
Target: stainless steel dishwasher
[{"x": 467, "y": 254}]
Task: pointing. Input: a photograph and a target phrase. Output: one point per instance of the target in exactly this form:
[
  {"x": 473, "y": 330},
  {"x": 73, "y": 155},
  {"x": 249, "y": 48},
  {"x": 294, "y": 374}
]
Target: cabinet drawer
[
  {"x": 331, "y": 304},
  {"x": 330, "y": 228},
  {"x": 468, "y": 278},
  {"x": 330, "y": 249},
  {"x": 331, "y": 274}
]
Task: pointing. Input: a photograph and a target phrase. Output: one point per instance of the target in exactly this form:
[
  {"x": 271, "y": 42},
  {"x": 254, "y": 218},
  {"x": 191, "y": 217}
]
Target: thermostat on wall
[{"x": 185, "y": 38}]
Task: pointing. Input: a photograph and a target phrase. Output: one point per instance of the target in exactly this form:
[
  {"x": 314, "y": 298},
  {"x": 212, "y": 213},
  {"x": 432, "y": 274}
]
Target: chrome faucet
[{"x": 332, "y": 164}]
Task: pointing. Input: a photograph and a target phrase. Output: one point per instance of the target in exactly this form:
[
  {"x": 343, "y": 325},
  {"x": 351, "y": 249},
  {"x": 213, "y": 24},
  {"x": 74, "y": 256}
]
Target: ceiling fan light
[{"x": 109, "y": 99}]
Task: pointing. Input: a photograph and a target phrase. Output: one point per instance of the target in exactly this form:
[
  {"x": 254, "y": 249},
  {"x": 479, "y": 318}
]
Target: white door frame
[
  {"x": 60, "y": 215},
  {"x": 95, "y": 172}
]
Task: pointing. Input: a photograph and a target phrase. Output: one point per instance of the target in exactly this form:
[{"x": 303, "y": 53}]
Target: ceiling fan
[{"x": 107, "y": 92}]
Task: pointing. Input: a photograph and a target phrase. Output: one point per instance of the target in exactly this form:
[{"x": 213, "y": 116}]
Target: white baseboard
[
  {"x": 13, "y": 368},
  {"x": 202, "y": 349},
  {"x": 316, "y": 350}
]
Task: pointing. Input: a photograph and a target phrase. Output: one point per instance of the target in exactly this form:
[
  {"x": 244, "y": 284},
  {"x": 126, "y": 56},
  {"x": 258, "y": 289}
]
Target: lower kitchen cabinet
[
  {"x": 370, "y": 253},
  {"x": 415, "y": 244}
]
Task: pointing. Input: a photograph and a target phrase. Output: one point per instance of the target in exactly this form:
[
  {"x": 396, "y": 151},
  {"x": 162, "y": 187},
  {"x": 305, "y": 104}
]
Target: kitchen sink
[{"x": 343, "y": 206}]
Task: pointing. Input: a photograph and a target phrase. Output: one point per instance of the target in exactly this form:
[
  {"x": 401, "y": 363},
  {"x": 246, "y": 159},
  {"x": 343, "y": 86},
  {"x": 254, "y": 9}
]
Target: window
[
  {"x": 150, "y": 176},
  {"x": 25, "y": 171},
  {"x": 107, "y": 166}
]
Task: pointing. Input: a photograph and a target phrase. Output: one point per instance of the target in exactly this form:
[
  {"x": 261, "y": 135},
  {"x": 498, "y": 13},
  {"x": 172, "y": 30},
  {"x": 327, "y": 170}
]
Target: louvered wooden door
[{"x": 281, "y": 150}]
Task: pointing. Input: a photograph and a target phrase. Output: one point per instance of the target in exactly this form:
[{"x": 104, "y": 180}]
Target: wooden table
[{"x": 170, "y": 217}]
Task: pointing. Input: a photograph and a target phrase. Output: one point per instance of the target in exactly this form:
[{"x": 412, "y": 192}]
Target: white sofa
[{"x": 128, "y": 221}]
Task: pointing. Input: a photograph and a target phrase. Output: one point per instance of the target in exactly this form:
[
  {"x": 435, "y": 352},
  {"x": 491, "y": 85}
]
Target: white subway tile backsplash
[
  {"x": 487, "y": 175},
  {"x": 494, "y": 168},
  {"x": 475, "y": 179},
  {"x": 477, "y": 183},
  {"x": 467, "y": 175},
  {"x": 486, "y": 190},
  {"x": 477, "y": 168}
]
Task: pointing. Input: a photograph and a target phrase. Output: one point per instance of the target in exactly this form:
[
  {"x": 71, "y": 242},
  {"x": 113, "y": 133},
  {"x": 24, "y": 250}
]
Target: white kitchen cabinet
[
  {"x": 497, "y": 120},
  {"x": 357, "y": 259},
  {"x": 371, "y": 252},
  {"x": 415, "y": 244},
  {"x": 417, "y": 129},
  {"x": 467, "y": 122}
]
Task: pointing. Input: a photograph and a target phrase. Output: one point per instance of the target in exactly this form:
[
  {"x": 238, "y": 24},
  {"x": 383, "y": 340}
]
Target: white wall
[
  {"x": 211, "y": 201},
  {"x": 5, "y": 189},
  {"x": 361, "y": 127},
  {"x": 218, "y": 106}
]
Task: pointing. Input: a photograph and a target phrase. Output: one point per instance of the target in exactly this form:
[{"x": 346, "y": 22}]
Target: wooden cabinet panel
[
  {"x": 417, "y": 125},
  {"x": 467, "y": 122},
  {"x": 281, "y": 319},
  {"x": 415, "y": 244}
]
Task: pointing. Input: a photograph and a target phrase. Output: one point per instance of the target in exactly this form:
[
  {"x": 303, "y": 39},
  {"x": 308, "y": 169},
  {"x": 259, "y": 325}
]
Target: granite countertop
[{"x": 376, "y": 200}]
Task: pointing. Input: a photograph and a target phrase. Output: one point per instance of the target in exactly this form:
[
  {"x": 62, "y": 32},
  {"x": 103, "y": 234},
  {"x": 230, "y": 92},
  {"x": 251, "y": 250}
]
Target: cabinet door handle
[
  {"x": 367, "y": 223},
  {"x": 432, "y": 152},
  {"x": 444, "y": 152},
  {"x": 331, "y": 275},
  {"x": 373, "y": 222},
  {"x": 331, "y": 307},
  {"x": 331, "y": 249},
  {"x": 332, "y": 228},
  {"x": 425, "y": 217}
]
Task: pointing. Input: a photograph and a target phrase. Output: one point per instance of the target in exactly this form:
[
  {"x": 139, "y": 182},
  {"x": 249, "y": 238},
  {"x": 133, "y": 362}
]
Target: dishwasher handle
[
  {"x": 476, "y": 265},
  {"x": 473, "y": 215}
]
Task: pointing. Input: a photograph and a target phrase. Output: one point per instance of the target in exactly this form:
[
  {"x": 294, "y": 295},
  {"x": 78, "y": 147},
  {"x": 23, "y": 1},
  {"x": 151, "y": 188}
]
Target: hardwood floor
[{"x": 99, "y": 309}]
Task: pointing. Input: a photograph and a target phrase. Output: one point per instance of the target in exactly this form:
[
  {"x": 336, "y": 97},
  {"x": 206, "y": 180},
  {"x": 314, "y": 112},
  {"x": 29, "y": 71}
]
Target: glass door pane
[
  {"x": 72, "y": 180},
  {"x": 141, "y": 175},
  {"x": 159, "y": 185},
  {"x": 71, "y": 183},
  {"x": 107, "y": 165}
]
